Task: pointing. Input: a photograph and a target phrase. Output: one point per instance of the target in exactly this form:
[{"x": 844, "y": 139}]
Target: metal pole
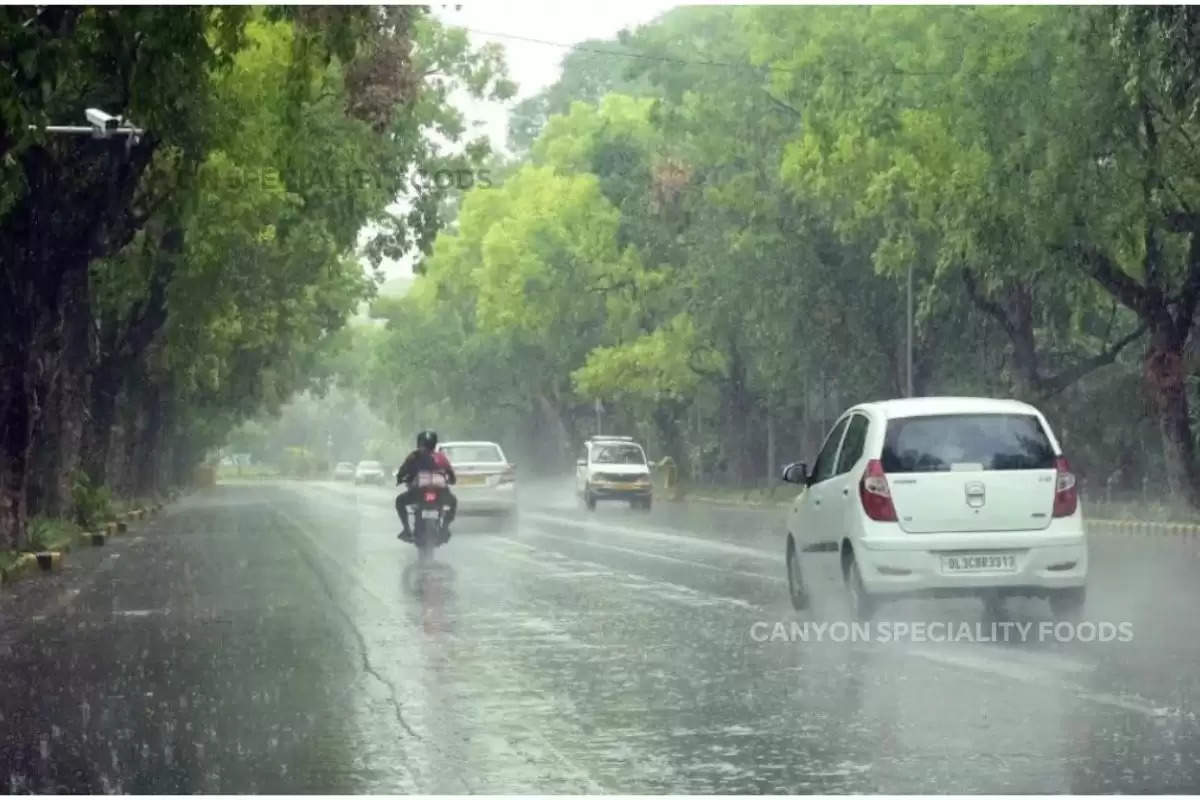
[{"x": 909, "y": 348}]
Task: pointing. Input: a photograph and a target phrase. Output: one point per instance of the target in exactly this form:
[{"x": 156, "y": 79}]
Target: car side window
[
  {"x": 823, "y": 469},
  {"x": 852, "y": 446}
]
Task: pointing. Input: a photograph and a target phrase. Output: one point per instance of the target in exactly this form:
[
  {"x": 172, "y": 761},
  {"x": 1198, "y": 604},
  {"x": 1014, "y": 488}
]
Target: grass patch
[
  {"x": 46, "y": 533},
  {"x": 8, "y": 559}
]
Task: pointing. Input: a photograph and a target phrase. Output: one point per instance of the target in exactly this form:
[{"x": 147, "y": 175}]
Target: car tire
[
  {"x": 796, "y": 591},
  {"x": 647, "y": 504},
  {"x": 589, "y": 500},
  {"x": 1067, "y": 604},
  {"x": 862, "y": 605}
]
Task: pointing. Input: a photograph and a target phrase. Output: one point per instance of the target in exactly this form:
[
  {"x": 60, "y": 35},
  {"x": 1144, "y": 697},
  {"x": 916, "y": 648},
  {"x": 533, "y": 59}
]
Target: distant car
[
  {"x": 940, "y": 496},
  {"x": 487, "y": 481},
  {"x": 369, "y": 472},
  {"x": 613, "y": 468},
  {"x": 344, "y": 471}
]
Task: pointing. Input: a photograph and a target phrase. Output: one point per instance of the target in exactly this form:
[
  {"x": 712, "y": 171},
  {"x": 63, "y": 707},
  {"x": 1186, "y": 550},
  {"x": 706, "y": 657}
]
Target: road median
[{"x": 763, "y": 501}]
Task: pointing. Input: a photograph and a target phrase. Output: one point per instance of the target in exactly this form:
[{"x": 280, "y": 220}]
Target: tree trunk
[
  {"x": 17, "y": 414},
  {"x": 1165, "y": 376},
  {"x": 558, "y": 429},
  {"x": 105, "y": 388},
  {"x": 770, "y": 447},
  {"x": 58, "y": 434},
  {"x": 146, "y": 481}
]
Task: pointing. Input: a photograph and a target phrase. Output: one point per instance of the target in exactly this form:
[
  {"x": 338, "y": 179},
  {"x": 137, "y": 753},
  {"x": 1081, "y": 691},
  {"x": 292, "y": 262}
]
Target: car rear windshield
[
  {"x": 474, "y": 454},
  {"x": 619, "y": 454},
  {"x": 966, "y": 441}
]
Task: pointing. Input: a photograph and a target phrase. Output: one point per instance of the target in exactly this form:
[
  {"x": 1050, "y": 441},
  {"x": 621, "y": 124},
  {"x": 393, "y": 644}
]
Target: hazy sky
[{"x": 533, "y": 66}]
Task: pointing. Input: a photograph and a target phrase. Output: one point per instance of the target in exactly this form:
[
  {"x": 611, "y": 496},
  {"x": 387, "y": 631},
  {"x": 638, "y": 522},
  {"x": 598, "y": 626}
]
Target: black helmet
[{"x": 427, "y": 440}]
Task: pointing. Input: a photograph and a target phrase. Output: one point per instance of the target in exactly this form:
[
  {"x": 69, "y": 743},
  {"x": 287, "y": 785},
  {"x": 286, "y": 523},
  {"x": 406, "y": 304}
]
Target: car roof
[
  {"x": 930, "y": 406},
  {"x": 469, "y": 444}
]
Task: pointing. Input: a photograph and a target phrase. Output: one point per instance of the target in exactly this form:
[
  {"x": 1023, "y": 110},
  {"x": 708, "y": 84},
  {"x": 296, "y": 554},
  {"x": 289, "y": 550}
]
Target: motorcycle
[{"x": 429, "y": 515}]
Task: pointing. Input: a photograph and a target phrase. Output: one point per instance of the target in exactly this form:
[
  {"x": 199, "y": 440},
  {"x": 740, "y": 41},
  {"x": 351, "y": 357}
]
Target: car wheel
[
  {"x": 647, "y": 504},
  {"x": 1067, "y": 604},
  {"x": 796, "y": 591},
  {"x": 589, "y": 500},
  {"x": 862, "y": 605}
]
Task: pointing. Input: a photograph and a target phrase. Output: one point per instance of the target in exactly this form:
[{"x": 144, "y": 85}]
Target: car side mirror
[{"x": 796, "y": 472}]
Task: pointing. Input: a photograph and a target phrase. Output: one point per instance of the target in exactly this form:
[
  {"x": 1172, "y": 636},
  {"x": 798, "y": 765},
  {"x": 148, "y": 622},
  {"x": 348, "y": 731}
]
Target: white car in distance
[
  {"x": 613, "y": 468},
  {"x": 487, "y": 481},
  {"x": 939, "y": 496},
  {"x": 369, "y": 472}
]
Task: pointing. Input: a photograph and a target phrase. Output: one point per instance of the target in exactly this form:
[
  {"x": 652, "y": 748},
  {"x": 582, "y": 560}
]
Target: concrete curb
[
  {"x": 52, "y": 560},
  {"x": 93, "y": 538},
  {"x": 49, "y": 560},
  {"x": 1143, "y": 528}
]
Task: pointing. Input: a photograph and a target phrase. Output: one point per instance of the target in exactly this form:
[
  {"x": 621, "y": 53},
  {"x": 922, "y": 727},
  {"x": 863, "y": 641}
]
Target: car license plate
[
  {"x": 979, "y": 562},
  {"x": 429, "y": 513},
  {"x": 473, "y": 480}
]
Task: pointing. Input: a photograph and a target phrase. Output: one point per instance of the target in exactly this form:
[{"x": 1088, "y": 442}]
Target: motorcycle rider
[{"x": 424, "y": 459}]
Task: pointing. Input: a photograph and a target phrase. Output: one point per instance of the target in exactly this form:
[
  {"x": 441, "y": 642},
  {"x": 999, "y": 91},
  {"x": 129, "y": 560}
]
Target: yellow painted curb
[
  {"x": 122, "y": 526},
  {"x": 1143, "y": 528},
  {"x": 94, "y": 538}
]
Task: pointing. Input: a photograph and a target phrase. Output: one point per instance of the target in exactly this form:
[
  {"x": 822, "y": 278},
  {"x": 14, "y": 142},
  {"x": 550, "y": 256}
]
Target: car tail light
[
  {"x": 431, "y": 497},
  {"x": 1066, "y": 493},
  {"x": 875, "y": 495},
  {"x": 509, "y": 475}
]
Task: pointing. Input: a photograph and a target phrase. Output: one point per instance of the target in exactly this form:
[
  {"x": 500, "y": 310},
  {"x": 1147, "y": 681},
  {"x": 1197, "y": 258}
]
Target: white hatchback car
[
  {"x": 941, "y": 496},
  {"x": 614, "y": 468},
  {"x": 487, "y": 482}
]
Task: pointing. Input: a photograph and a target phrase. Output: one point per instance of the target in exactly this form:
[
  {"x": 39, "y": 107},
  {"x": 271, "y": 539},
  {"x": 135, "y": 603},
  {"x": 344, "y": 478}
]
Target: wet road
[{"x": 276, "y": 638}]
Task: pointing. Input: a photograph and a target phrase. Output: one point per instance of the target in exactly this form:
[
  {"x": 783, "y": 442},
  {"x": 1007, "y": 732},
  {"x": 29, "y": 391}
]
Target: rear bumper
[
  {"x": 602, "y": 492},
  {"x": 485, "y": 500},
  {"x": 1056, "y": 558}
]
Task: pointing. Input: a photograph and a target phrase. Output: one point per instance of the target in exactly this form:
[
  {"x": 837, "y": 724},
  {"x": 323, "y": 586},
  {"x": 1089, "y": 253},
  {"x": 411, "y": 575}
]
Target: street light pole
[{"x": 909, "y": 348}]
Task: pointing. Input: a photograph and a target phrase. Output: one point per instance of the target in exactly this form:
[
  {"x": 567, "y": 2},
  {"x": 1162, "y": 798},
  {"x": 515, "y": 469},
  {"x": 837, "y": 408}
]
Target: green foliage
[
  {"x": 91, "y": 505},
  {"x": 46, "y": 533},
  {"x": 299, "y": 462}
]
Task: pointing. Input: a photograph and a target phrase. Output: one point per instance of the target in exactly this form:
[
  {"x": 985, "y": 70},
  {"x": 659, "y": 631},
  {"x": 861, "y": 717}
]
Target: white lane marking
[
  {"x": 657, "y": 534},
  {"x": 664, "y": 590},
  {"x": 1027, "y": 673},
  {"x": 542, "y": 531},
  {"x": 142, "y": 612}
]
